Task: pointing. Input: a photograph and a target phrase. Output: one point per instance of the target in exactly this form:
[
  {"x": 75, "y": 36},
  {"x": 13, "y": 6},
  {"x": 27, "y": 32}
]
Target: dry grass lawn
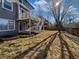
[{"x": 45, "y": 45}]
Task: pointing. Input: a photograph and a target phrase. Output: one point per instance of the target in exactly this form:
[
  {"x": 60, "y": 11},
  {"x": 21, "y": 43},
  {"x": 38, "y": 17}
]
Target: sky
[
  {"x": 42, "y": 5},
  {"x": 41, "y": 8}
]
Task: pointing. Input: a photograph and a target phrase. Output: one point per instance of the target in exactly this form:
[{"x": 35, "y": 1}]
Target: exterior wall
[
  {"x": 72, "y": 28},
  {"x": 8, "y": 14},
  {"x": 11, "y": 15},
  {"x": 6, "y": 33},
  {"x": 24, "y": 16},
  {"x": 74, "y": 31},
  {"x": 47, "y": 25}
]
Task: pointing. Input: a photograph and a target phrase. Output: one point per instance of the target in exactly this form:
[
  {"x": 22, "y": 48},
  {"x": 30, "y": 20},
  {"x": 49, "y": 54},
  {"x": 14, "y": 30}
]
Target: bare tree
[{"x": 62, "y": 11}]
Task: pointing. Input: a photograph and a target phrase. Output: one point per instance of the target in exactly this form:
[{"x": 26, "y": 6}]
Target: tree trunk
[{"x": 59, "y": 27}]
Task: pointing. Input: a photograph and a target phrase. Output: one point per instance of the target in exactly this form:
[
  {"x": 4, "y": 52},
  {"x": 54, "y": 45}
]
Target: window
[
  {"x": 7, "y": 25},
  {"x": 7, "y": 4},
  {"x": 22, "y": 10},
  {"x": 11, "y": 25},
  {"x": 3, "y": 24},
  {"x": 23, "y": 13}
]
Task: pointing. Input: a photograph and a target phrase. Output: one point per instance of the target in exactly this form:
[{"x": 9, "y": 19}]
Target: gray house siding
[
  {"x": 13, "y": 15},
  {"x": 8, "y": 14},
  {"x": 5, "y": 33}
]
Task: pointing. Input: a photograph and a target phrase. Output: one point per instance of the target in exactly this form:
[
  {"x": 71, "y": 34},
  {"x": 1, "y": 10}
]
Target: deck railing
[{"x": 24, "y": 16}]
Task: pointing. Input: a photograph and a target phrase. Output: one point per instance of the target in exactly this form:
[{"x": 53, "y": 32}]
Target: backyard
[
  {"x": 45, "y": 45},
  {"x": 39, "y": 29}
]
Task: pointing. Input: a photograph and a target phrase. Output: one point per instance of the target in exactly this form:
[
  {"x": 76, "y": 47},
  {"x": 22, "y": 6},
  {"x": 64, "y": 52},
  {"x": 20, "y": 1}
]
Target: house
[
  {"x": 72, "y": 28},
  {"x": 14, "y": 16},
  {"x": 37, "y": 24},
  {"x": 43, "y": 24},
  {"x": 47, "y": 25}
]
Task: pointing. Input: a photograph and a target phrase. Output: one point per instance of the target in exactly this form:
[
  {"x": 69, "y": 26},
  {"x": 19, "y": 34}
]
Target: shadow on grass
[
  {"x": 43, "y": 53},
  {"x": 64, "y": 45},
  {"x": 1, "y": 41},
  {"x": 76, "y": 40},
  {"x": 21, "y": 55}
]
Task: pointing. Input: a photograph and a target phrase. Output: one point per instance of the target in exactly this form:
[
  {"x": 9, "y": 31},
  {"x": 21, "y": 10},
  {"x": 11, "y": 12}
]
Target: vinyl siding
[
  {"x": 11, "y": 15},
  {"x": 8, "y": 14}
]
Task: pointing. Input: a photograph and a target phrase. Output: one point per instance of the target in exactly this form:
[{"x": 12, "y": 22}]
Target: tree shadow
[
  {"x": 21, "y": 55},
  {"x": 1, "y": 41},
  {"x": 64, "y": 45},
  {"x": 76, "y": 40},
  {"x": 43, "y": 53}
]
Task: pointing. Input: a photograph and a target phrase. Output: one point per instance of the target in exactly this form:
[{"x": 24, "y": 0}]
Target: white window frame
[
  {"x": 8, "y": 26},
  {"x": 7, "y": 8},
  {"x": 14, "y": 25}
]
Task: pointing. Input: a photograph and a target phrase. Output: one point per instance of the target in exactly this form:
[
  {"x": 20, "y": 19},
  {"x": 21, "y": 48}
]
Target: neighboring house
[
  {"x": 72, "y": 28},
  {"x": 47, "y": 25},
  {"x": 43, "y": 24},
  {"x": 14, "y": 16},
  {"x": 40, "y": 23},
  {"x": 37, "y": 24}
]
